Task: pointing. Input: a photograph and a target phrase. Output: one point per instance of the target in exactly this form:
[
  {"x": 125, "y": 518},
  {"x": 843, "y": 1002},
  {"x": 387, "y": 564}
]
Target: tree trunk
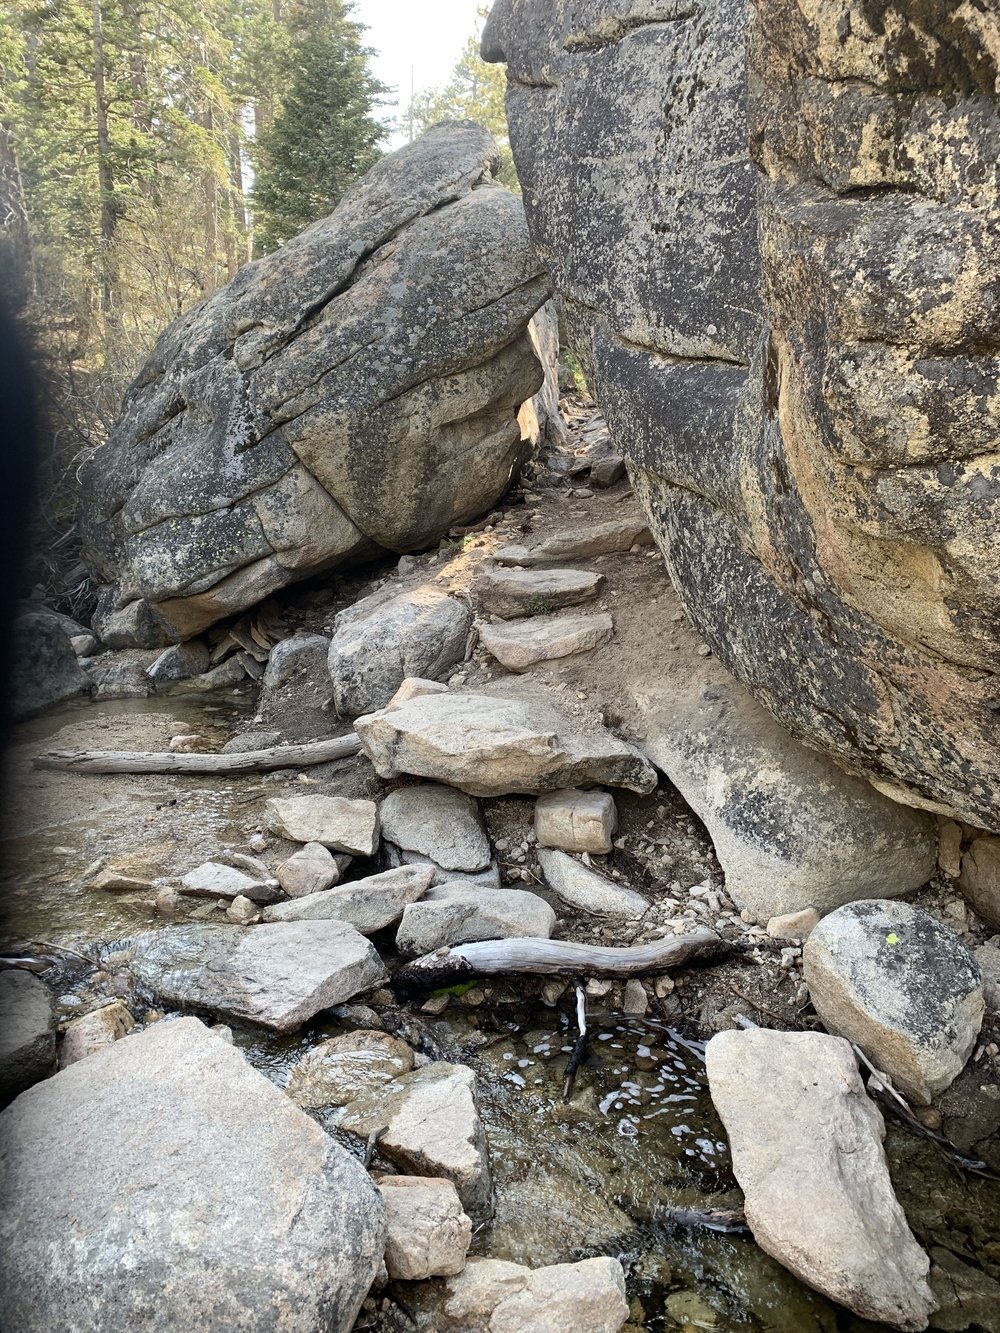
[{"x": 105, "y": 177}]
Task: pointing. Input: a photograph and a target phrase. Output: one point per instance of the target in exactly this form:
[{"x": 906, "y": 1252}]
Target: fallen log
[
  {"x": 448, "y": 967},
  {"x": 251, "y": 761}
]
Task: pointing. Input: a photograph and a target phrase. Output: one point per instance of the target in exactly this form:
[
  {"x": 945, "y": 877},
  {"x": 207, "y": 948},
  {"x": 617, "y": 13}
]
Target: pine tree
[{"x": 323, "y": 134}]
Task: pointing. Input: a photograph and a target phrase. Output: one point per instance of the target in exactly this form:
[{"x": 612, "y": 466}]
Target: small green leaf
[{"x": 892, "y": 938}]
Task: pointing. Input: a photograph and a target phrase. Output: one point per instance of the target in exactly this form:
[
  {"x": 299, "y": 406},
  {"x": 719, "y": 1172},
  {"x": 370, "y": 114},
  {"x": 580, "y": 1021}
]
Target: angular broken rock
[
  {"x": 493, "y": 747},
  {"x": 893, "y": 979},
  {"x": 576, "y": 821},
  {"x": 389, "y": 637},
  {"x": 431, "y": 1127},
  {"x": 276, "y": 975},
  {"x": 438, "y": 822},
  {"x": 586, "y": 889},
  {"x": 214, "y": 880},
  {"x": 608, "y": 538},
  {"x": 807, "y": 1152},
  {"x": 457, "y": 912},
  {"x": 27, "y": 1032},
  {"x": 163, "y": 1221},
  {"x": 791, "y": 829},
  {"x": 520, "y": 644},
  {"x": 339, "y": 1070},
  {"x": 413, "y": 687},
  {"x": 369, "y": 905},
  {"x": 585, "y": 1297},
  {"x": 309, "y": 870},
  {"x": 95, "y": 1032},
  {"x": 485, "y": 879},
  {"x": 518, "y": 592},
  {"x": 428, "y": 1233},
  {"x": 341, "y": 824}
]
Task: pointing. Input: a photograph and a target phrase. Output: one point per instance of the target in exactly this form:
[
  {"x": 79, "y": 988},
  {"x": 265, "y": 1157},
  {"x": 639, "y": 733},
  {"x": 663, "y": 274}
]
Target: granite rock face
[
  {"x": 774, "y": 226},
  {"x": 355, "y": 392}
]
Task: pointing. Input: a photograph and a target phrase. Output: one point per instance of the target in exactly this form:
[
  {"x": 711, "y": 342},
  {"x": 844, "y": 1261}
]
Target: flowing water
[{"x": 618, "y": 1170}]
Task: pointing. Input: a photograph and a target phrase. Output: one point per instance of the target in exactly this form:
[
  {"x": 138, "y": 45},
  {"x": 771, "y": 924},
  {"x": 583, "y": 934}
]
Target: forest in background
[{"x": 149, "y": 149}]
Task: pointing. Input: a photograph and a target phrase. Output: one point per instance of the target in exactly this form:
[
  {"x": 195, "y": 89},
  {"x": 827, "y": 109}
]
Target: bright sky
[{"x": 426, "y": 36}]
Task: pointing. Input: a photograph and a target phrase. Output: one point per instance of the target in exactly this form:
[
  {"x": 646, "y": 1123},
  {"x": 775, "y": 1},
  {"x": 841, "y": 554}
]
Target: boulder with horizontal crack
[{"x": 355, "y": 392}]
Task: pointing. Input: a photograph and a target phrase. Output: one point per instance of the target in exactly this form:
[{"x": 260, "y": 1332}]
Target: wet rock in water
[
  {"x": 431, "y": 1128},
  {"x": 790, "y": 829},
  {"x": 277, "y": 975},
  {"x": 391, "y": 636},
  {"x": 193, "y": 1209},
  {"x": 494, "y": 747},
  {"x": 428, "y": 1233},
  {"x": 457, "y": 912},
  {"x": 277, "y": 430},
  {"x": 576, "y": 821},
  {"x": 807, "y": 1151},
  {"x": 610, "y": 537},
  {"x": 340, "y": 1070},
  {"x": 438, "y": 822},
  {"x": 95, "y": 1032},
  {"x": 530, "y": 592},
  {"x": 338, "y": 823},
  {"x": 979, "y": 881},
  {"x": 214, "y": 880},
  {"x": 180, "y": 661},
  {"x": 586, "y": 1297},
  {"x": 27, "y": 1032},
  {"x": 793, "y": 925},
  {"x": 966, "y": 1296},
  {"x": 520, "y": 644},
  {"x": 369, "y": 905},
  {"x": 891, "y": 978},
  {"x": 118, "y": 881},
  {"x": 309, "y": 870},
  {"x": 586, "y": 890},
  {"x": 44, "y": 668},
  {"x": 793, "y": 333}
]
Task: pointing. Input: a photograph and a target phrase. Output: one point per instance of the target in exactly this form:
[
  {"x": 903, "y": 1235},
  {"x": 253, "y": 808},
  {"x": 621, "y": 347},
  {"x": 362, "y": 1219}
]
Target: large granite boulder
[
  {"x": 166, "y": 1184},
  {"x": 44, "y": 670},
  {"x": 356, "y": 391},
  {"x": 774, "y": 227}
]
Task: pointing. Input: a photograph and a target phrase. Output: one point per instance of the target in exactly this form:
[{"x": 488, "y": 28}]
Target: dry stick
[
  {"x": 541, "y": 957},
  {"x": 252, "y": 761},
  {"x": 756, "y": 1005}
]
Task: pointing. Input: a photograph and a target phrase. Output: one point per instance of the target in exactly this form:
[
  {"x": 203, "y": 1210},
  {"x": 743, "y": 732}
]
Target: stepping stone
[
  {"x": 608, "y": 538},
  {"x": 166, "y": 1184},
  {"x": 801, "y": 1127},
  {"x": 460, "y": 913},
  {"x": 587, "y": 890},
  {"x": 277, "y": 975},
  {"x": 431, "y": 1127},
  {"x": 519, "y": 592},
  {"x": 520, "y": 644},
  {"x": 339, "y": 1070},
  {"x": 310, "y": 870},
  {"x": 214, "y": 880},
  {"x": 902, "y": 986},
  {"x": 428, "y": 1233},
  {"x": 494, "y": 747},
  {"x": 338, "y": 823},
  {"x": 369, "y": 905},
  {"x": 438, "y": 822},
  {"x": 576, "y": 821}
]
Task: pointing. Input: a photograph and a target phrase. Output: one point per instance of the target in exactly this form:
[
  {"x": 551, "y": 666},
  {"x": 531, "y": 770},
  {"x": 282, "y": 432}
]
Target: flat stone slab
[
  {"x": 340, "y": 1070},
  {"x": 576, "y": 821},
  {"x": 611, "y": 537},
  {"x": 27, "y": 1032},
  {"x": 521, "y": 644},
  {"x": 431, "y": 1127},
  {"x": 214, "y": 880},
  {"x": 893, "y": 979},
  {"x": 489, "y": 746},
  {"x": 277, "y": 975},
  {"x": 518, "y": 592},
  {"x": 338, "y": 823},
  {"x": 461, "y": 913},
  {"x": 587, "y": 890},
  {"x": 131, "y": 1198},
  {"x": 807, "y": 1151},
  {"x": 438, "y": 822},
  {"x": 369, "y": 905}
]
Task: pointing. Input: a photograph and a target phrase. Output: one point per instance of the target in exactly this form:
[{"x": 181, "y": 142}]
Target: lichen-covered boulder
[
  {"x": 775, "y": 229},
  {"x": 355, "y": 392}
]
